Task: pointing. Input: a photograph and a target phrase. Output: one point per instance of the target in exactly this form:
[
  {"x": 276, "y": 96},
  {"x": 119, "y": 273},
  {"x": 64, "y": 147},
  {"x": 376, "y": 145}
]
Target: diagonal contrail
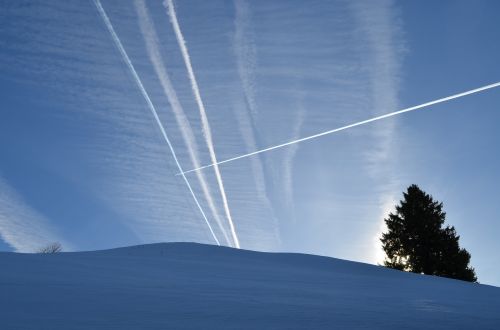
[
  {"x": 204, "y": 120},
  {"x": 138, "y": 81},
  {"x": 151, "y": 39},
  {"x": 391, "y": 114}
]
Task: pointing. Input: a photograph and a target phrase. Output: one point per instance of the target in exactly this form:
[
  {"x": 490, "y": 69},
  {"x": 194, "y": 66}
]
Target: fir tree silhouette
[{"x": 417, "y": 242}]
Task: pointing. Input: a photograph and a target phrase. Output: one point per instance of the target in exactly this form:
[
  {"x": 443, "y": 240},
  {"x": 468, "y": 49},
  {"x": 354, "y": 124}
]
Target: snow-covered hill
[{"x": 187, "y": 285}]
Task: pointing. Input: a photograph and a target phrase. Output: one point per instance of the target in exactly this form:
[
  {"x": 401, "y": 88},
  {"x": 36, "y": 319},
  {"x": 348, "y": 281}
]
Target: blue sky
[{"x": 84, "y": 163}]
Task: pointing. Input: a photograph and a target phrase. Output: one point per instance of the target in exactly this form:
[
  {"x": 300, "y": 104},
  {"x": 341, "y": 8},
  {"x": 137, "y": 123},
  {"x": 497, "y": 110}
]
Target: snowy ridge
[{"x": 189, "y": 285}]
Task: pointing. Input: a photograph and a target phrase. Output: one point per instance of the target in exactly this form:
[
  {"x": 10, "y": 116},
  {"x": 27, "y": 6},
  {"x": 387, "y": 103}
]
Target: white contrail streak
[
  {"x": 151, "y": 39},
  {"x": 138, "y": 81},
  {"x": 391, "y": 114},
  {"x": 206, "y": 126}
]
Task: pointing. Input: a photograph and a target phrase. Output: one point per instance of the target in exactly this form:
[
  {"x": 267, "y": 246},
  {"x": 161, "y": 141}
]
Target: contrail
[
  {"x": 138, "y": 81},
  {"x": 206, "y": 127},
  {"x": 151, "y": 39},
  {"x": 391, "y": 114}
]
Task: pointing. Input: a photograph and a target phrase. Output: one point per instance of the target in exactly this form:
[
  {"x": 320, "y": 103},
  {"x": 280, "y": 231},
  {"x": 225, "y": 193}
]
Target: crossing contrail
[
  {"x": 391, "y": 114},
  {"x": 151, "y": 39},
  {"x": 204, "y": 120},
  {"x": 138, "y": 81}
]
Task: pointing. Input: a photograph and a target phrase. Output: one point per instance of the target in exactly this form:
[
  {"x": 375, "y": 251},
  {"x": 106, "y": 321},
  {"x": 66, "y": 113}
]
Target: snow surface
[{"x": 188, "y": 285}]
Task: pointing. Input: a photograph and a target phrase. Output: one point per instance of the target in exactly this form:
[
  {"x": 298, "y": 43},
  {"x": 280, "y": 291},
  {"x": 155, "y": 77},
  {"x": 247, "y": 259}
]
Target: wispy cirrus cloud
[
  {"x": 246, "y": 53},
  {"x": 288, "y": 160},
  {"x": 22, "y": 227},
  {"x": 246, "y": 62},
  {"x": 380, "y": 26},
  {"x": 323, "y": 80},
  {"x": 297, "y": 69},
  {"x": 113, "y": 139}
]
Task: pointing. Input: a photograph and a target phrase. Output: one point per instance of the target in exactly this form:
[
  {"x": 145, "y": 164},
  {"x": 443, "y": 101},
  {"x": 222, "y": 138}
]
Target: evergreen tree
[{"x": 417, "y": 242}]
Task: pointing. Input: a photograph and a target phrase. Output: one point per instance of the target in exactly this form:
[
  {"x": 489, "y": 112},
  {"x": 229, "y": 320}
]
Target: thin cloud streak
[
  {"x": 21, "y": 227},
  {"x": 246, "y": 56},
  {"x": 245, "y": 52},
  {"x": 288, "y": 161},
  {"x": 382, "y": 37},
  {"x": 151, "y": 40},
  {"x": 138, "y": 81},
  {"x": 206, "y": 126},
  {"x": 391, "y": 114}
]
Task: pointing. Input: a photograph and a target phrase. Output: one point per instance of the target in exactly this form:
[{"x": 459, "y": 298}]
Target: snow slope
[{"x": 187, "y": 285}]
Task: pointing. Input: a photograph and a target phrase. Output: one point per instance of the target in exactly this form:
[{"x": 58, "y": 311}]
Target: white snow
[{"x": 188, "y": 285}]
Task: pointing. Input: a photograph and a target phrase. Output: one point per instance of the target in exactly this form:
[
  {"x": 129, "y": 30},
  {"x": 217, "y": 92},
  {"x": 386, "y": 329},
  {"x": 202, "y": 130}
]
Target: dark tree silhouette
[
  {"x": 51, "y": 248},
  {"x": 417, "y": 242}
]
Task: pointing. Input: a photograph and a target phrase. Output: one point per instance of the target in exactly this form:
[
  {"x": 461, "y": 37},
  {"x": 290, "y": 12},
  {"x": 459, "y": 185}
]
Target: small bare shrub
[{"x": 51, "y": 248}]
